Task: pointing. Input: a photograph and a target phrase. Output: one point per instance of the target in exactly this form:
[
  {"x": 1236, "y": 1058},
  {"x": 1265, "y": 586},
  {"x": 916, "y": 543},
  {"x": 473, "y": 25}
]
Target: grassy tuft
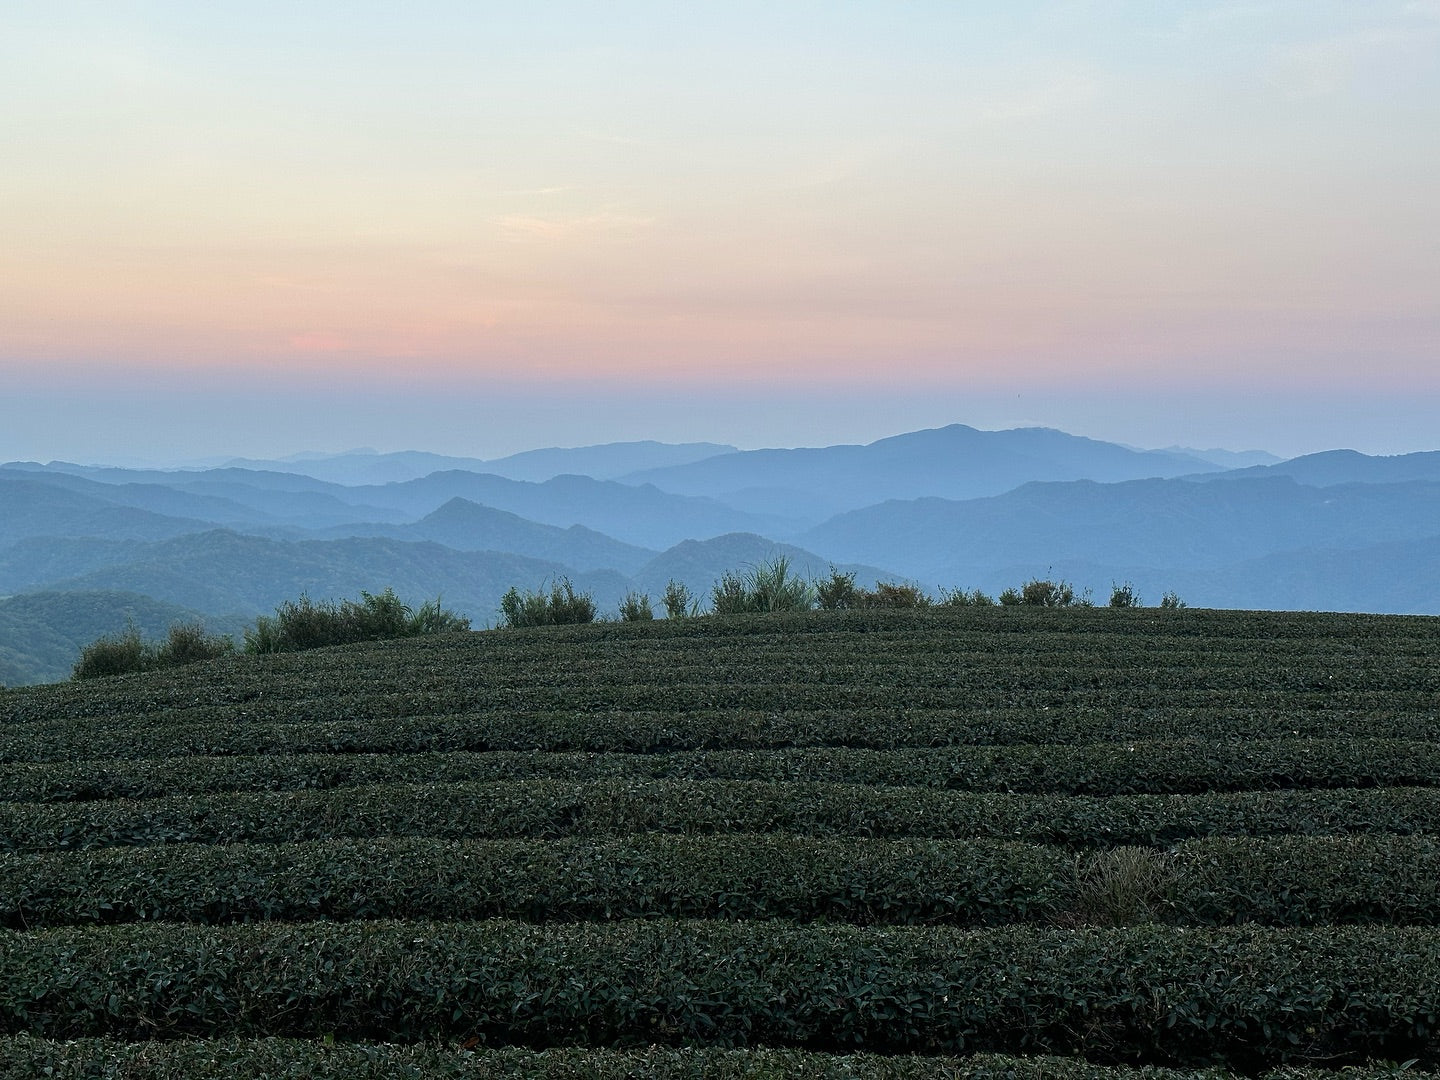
[
  {"x": 1124, "y": 886},
  {"x": 306, "y": 624},
  {"x": 560, "y": 606},
  {"x": 679, "y": 604},
  {"x": 636, "y": 608}
]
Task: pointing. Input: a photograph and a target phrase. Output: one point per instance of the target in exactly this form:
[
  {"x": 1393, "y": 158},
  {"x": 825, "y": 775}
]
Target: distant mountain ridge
[
  {"x": 222, "y": 572},
  {"x": 1130, "y": 528},
  {"x": 1331, "y": 468},
  {"x": 1225, "y": 459},
  {"x": 642, "y": 516},
  {"x": 604, "y": 461},
  {"x": 954, "y": 462},
  {"x": 1338, "y": 529},
  {"x": 468, "y": 526}
]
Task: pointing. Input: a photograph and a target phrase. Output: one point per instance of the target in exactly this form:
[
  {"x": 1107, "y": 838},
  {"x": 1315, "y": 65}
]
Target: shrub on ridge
[
  {"x": 120, "y": 654},
  {"x": 561, "y": 606},
  {"x": 769, "y": 587},
  {"x": 307, "y": 624}
]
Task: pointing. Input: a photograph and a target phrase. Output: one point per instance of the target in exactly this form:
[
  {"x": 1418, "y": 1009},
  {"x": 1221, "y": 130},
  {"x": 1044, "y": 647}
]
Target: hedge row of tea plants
[
  {"x": 1185, "y": 766},
  {"x": 24, "y": 1057},
  {"x": 187, "y": 733},
  {"x": 975, "y": 660},
  {"x": 742, "y": 876},
  {"x": 554, "y": 808},
  {"x": 1255, "y": 996},
  {"x": 1215, "y": 881},
  {"x": 820, "y": 783}
]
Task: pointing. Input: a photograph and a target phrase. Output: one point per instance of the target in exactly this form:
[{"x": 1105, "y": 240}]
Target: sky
[{"x": 476, "y": 228}]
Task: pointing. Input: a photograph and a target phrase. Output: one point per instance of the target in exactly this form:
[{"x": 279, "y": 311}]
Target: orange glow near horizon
[{"x": 974, "y": 199}]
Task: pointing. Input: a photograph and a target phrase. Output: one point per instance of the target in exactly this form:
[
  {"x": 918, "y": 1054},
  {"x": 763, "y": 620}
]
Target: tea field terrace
[{"x": 1082, "y": 840}]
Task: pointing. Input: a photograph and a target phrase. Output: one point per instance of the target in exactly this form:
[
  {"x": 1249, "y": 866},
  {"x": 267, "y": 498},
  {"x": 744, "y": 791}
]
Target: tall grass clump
[
  {"x": 1124, "y": 886},
  {"x": 114, "y": 654},
  {"x": 679, "y": 604},
  {"x": 1124, "y": 596},
  {"x": 769, "y": 587},
  {"x": 838, "y": 592},
  {"x": 890, "y": 595},
  {"x": 961, "y": 598},
  {"x": 560, "y": 606},
  {"x": 636, "y": 608},
  {"x": 431, "y": 618},
  {"x": 1171, "y": 602},
  {"x": 307, "y": 624},
  {"x": 123, "y": 653}
]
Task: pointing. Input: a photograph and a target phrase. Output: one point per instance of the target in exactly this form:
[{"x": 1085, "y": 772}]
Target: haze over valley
[{"x": 88, "y": 549}]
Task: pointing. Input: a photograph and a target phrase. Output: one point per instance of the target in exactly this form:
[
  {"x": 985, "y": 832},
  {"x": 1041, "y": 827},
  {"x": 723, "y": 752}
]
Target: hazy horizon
[{"x": 190, "y": 446}]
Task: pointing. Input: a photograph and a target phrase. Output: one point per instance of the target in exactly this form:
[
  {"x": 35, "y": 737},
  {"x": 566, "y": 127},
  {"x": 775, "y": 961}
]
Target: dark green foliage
[
  {"x": 115, "y": 654},
  {"x": 617, "y": 807},
  {"x": 1182, "y": 766},
  {"x": 730, "y": 595},
  {"x": 303, "y": 624},
  {"x": 636, "y": 608},
  {"x": 1124, "y": 596},
  {"x": 891, "y": 595},
  {"x": 123, "y": 654},
  {"x": 320, "y": 726},
  {"x": 1339, "y": 994},
  {"x": 298, "y": 625},
  {"x": 1041, "y": 592},
  {"x": 961, "y": 598},
  {"x": 771, "y": 876},
  {"x": 1282, "y": 881},
  {"x": 679, "y": 604},
  {"x": 877, "y": 679},
  {"x": 23, "y": 1057},
  {"x": 188, "y": 643},
  {"x": 838, "y": 592},
  {"x": 1117, "y": 835},
  {"x": 561, "y": 606},
  {"x": 1172, "y": 602},
  {"x": 770, "y": 587}
]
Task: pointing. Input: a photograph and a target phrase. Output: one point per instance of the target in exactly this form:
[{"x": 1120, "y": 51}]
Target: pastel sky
[{"x": 476, "y": 227}]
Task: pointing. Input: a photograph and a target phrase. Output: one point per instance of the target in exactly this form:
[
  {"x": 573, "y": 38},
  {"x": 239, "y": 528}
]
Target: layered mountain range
[{"x": 95, "y": 546}]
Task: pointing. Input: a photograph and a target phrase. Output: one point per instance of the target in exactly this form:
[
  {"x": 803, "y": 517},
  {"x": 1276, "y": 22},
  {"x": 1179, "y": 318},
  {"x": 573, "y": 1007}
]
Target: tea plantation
[{"x": 937, "y": 843}]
